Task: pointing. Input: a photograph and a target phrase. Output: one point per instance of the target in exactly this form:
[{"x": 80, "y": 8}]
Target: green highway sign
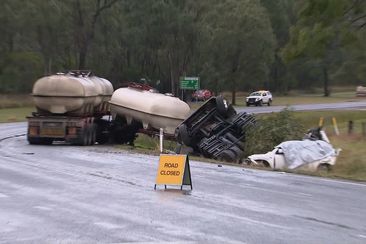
[{"x": 190, "y": 83}]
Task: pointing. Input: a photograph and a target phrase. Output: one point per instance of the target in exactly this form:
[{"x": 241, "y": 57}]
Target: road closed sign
[{"x": 173, "y": 170}]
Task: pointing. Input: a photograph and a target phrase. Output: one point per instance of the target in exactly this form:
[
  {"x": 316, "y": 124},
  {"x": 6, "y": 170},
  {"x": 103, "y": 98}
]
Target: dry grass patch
[
  {"x": 351, "y": 163},
  {"x": 15, "y": 114},
  {"x": 15, "y": 101}
]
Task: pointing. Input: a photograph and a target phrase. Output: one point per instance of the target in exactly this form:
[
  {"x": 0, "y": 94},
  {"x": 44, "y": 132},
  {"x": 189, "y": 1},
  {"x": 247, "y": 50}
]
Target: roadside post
[
  {"x": 335, "y": 126},
  {"x": 161, "y": 137},
  {"x": 321, "y": 121},
  {"x": 350, "y": 127},
  {"x": 173, "y": 170}
]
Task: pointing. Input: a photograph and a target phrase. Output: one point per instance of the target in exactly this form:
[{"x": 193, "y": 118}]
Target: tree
[
  {"x": 323, "y": 29},
  {"x": 85, "y": 18},
  {"x": 158, "y": 41},
  {"x": 282, "y": 16},
  {"x": 241, "y": 44}
]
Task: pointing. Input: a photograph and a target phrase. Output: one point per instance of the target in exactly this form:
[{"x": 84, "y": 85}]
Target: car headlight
[
  {"x": 257, "y": 99},
  {"x": 247, "y": 99}
]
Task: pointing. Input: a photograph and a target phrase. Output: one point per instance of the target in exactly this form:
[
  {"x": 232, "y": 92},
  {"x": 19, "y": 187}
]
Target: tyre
[
  {"x": 260, "y": 103},
  {"x": 84, "y": 138},
  {"x": 248, "y": 104},
  {"x": 233, "y": 139},
  {"x": 231, "y": 111},
  {"x": 269, "y": 102},
  {"x": 228, "y": 156},
  {"x": 324, "y": 167},
  {"x": 102, "y": 132},
  {"x": 222, "y": 106},
  {"x": 184, "y": 135},
  {"x": 102, "y": 139},
  {"x": 93, "y": 135}
]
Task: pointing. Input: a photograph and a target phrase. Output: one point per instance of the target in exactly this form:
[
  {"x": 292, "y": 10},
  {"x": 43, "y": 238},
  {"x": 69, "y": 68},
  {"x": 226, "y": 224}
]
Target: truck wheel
[
  {"x": 238, "y": 152},
  {"x": 93, "y": 135},
  {"x": 90, "y": 136},
  {"x": 222, "y": 106},
  {"x": 84, "y": 138},
  {"x": 102, "y": 132},
  {"x": 184, "y": 135},
  {"x": 227, "y": 156},
  {"x": 232, "y": 139}
]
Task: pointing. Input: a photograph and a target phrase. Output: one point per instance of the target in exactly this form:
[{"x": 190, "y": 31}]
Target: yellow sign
[{"x": 173, "y": 170}]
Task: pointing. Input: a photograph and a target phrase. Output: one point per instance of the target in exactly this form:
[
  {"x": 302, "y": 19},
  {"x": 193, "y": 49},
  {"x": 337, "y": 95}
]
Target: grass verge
[
  {"x": 15, "y": 114},
  {"x": 15, "y": 101}
]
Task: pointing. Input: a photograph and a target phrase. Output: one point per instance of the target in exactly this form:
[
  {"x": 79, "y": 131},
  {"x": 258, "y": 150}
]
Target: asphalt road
[
  {"x": 359, "y": 105},
  {"x": 68, "y": 194}
]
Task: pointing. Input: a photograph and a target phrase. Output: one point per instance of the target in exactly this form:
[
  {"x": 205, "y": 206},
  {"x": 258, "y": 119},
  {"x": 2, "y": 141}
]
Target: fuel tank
[
  {"x": 153, "y": 110},
  {"x": 72, "y": 93}
]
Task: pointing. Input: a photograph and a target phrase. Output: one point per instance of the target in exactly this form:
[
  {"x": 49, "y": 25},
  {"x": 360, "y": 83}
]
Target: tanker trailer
[
  {"x": 145, "y": 110},
  {"x": 69, "y": 107}
]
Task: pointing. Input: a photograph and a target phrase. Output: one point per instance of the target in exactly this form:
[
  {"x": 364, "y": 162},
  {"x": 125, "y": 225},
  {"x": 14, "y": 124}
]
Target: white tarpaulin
[{"x": 298, "y": 153}]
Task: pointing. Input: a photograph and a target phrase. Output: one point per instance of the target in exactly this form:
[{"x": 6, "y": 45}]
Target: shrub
[{"x": 271, "y": 130}]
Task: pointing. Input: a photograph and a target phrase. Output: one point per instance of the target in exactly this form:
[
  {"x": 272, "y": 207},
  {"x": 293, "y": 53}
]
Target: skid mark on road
[
  {"x": 108, "y": 177},
  {"x": 325, "y": 222}
]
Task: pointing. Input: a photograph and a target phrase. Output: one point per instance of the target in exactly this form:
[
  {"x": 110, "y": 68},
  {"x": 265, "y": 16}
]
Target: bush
[
  {"x": 18, "y": 71},
  {"x": 271, "y": 130}
]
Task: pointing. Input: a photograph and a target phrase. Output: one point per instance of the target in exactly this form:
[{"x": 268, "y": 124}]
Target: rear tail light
[{"x": 33, "y": 131}]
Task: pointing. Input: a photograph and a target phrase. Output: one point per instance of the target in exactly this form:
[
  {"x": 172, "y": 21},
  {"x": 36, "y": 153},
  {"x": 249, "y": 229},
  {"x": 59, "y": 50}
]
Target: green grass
[
  {"x": 15, "y": 114},
  {"x": 351, "y": 163},
  {"x": 311, "y": 119},
  {"x": 15, "y": 107}
]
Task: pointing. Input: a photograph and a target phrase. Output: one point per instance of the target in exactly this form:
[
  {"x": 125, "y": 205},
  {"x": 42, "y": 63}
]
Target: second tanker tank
[{"x": 153, "y": 110}]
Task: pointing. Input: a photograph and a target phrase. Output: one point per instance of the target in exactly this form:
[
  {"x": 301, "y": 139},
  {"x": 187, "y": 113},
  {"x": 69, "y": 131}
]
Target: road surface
[
  {"x": 68, "y": 194},
  {"x": 359, "y": 105}
]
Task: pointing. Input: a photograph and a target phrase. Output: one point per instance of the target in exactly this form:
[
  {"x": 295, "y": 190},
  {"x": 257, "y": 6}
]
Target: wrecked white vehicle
[{"x": 309, "y": 154}]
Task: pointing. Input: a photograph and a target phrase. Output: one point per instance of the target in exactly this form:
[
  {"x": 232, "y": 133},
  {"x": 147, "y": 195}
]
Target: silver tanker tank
[
  {"x": 153, "y": 110},
  {"x": 75, "y": 93}
]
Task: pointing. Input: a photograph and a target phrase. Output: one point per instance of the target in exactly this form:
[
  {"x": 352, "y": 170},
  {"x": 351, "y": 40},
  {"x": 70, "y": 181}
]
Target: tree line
[{"x": 232, "y": 45}]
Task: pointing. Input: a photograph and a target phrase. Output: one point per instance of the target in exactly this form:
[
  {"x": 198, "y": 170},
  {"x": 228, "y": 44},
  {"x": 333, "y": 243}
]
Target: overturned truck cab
[{"x": 216, "y": 130}]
